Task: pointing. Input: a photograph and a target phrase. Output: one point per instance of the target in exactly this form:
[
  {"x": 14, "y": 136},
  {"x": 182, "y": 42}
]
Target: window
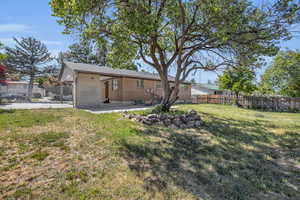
[
  {"x": 158, "y": 84},
  {"x": 149, "y": 90},
  {"x": 114, "y": 84},
  {"x": 140, "y": 83}
]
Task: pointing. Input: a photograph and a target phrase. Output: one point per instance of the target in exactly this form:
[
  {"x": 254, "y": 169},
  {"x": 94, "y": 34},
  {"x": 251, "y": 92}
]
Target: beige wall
[
  {"x": 89, "y": 90},
  {"x": 131, "y": 92}
]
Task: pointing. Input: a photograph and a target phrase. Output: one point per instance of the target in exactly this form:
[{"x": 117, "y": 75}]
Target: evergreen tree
[{"x": 28, "y": 59}]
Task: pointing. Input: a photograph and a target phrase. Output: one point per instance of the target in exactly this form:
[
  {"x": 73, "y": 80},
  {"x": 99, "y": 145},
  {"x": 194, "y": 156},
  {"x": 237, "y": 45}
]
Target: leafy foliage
[
  {"x": 2, "y": 55},
  {"x": 85, "y": 52},
  {"x": 185, "y": 35},
  {"x": 238, "y": 80},
  {"x": 28, "y": 59},
  {"x": 283, "y": 76}
]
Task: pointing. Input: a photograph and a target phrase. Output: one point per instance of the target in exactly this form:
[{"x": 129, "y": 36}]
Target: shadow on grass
[
  {"x": 3, "y": 111},
  {"x": 226, "y": 159}
]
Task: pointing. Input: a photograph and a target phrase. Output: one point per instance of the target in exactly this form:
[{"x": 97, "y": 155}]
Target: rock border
[{"x": 191, "y": 119}]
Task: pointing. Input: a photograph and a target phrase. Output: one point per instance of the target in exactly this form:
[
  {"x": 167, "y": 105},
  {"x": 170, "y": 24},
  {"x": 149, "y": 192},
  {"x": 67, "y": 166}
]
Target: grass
[
  {"x": 25, "y": 118},
  {"x": 40, "y": 155},
  {"x": 71, "y": 154}
]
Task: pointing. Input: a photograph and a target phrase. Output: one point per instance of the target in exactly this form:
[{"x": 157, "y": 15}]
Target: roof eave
[{"x": 125, "y": 76}]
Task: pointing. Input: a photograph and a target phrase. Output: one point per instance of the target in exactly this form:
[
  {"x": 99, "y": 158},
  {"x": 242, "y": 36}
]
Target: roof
[
  {"x": 207, "y": 86},
  {"x": 108, "y": 71}
]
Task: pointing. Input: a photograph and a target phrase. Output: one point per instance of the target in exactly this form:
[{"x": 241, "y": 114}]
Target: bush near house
[{"x": 72, "y": 154}]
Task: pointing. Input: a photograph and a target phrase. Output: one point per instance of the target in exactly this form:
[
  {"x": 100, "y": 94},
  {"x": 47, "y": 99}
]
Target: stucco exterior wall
[
  {"x": 89, "y": 90},
  {"x": 132, "y": 92}
]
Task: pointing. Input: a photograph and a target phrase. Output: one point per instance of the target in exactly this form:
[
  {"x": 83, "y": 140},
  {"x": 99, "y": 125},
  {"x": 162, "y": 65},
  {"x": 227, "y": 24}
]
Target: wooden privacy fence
[{"x": 255, "y": 102}]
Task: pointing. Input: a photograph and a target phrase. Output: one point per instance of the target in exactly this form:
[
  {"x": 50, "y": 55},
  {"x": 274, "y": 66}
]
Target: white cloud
[
  {"x": 14, "y": 28},
  {"x": 47, "y": 42}
]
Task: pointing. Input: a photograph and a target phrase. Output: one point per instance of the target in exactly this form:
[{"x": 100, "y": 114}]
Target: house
[
  {"x": 205, "y": 89},
  {"x": 93, "y": 84},
  {"x": 20, "y": 88}
]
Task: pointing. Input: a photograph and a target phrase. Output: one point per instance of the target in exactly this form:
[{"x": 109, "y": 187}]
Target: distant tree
[
  {"x": 193, "y": 81},
  {"x": 85, "y": 52},
  {"x": 50, "y": 72},
  {"x": 283, "y": 75},
  {"x": 28, "y": 58},
  {"x": 238, "y": 79}
]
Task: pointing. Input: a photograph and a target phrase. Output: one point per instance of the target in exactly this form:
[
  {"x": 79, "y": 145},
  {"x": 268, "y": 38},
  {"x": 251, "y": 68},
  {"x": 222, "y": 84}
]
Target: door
[{"x": 106, "y": 89}]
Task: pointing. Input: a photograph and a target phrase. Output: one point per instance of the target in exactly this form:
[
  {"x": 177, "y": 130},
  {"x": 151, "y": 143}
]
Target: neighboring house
[
  {"x": 20, "y": 88},
  {"x": 205, "y": 89},
  {"x": 92, "y": 85}
]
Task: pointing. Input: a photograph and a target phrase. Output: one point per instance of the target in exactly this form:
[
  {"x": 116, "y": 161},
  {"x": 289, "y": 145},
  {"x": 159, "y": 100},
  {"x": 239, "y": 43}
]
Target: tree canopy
[
  {"x": 181, "y": 36},
  {"x": 283, "y": 75},
  {"x": 28, "y": 59},
  {"x": 238, "y": 79}
]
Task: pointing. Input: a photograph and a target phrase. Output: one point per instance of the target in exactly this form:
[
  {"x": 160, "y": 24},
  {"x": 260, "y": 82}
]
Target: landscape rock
[
  {"x": 187, "y": 120},
  {"x": 198, "y": 124},
  {"x": 177, "y": 122},
  {"x": 167, "y": 122},
  {"x": 172, "y": 126}
]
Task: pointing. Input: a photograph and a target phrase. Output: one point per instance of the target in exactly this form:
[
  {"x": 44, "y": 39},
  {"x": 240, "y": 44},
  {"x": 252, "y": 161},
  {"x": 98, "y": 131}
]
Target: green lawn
[{"x": 71, "y": 154}]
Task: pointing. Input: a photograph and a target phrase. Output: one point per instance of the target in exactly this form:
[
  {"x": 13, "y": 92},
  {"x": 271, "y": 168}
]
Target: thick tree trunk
[
  {"x": 170, "y": 95},
  {"x": 30, "y": 86}
]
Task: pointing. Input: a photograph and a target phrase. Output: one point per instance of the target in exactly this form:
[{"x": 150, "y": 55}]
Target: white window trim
[
  {"x": 140, "y": 83},
  {"x": 115, "y": 84}
]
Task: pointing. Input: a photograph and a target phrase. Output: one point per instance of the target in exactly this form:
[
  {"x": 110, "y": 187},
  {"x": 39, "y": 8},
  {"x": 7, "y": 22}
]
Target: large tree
[
  {"x": 178, "y": 36},
  {"x": 28, "y": 58},
  {"x": 283, "y": 75},
  {"x": 238, "y": 80},
  {"x": 85, "y": 52}
]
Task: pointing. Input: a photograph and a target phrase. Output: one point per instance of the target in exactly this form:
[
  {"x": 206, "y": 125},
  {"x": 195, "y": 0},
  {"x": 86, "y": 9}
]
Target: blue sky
[{"x": 22, "y": 18}]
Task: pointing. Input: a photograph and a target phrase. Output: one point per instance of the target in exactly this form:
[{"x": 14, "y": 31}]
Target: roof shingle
[{"x": 89, "y": 68}]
